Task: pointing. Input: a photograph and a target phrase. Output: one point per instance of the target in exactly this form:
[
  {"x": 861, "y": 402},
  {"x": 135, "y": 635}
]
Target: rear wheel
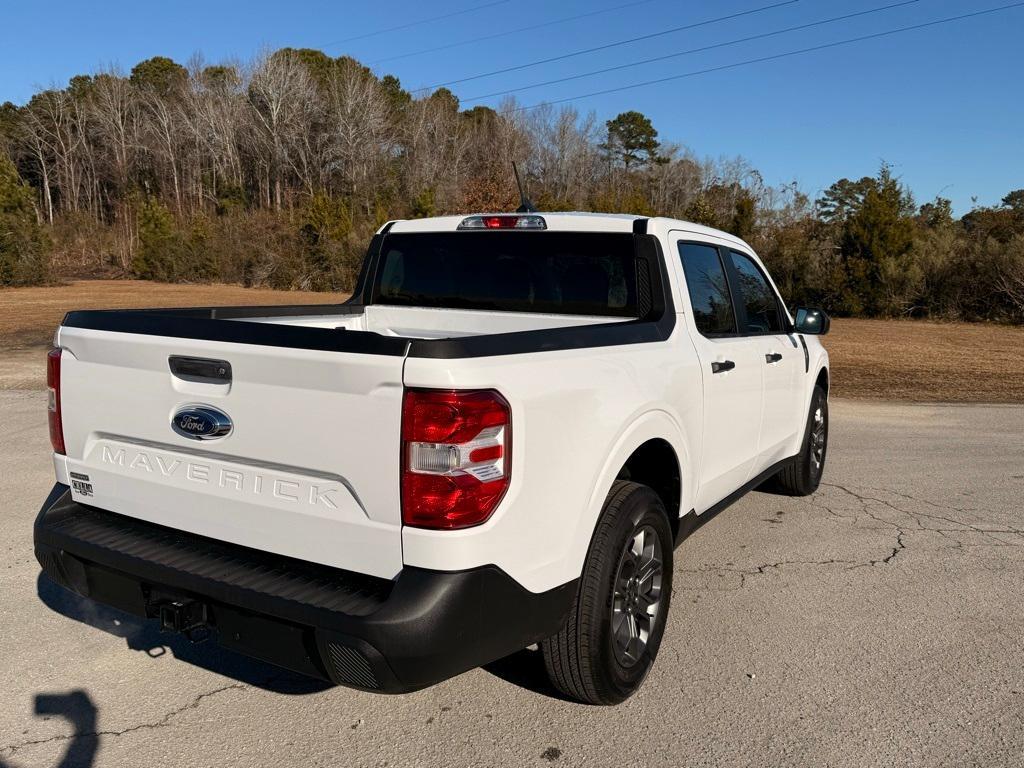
[
  {"x": 612, "y": 635},
  {"x": 802, "y": 477}
]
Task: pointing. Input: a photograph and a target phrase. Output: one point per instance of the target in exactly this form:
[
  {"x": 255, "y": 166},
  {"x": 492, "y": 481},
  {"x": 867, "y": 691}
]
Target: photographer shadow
[{"x": 78, "y": 709}]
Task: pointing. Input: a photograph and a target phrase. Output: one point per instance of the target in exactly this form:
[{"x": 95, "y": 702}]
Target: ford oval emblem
[{"x": 201, "y": 422}]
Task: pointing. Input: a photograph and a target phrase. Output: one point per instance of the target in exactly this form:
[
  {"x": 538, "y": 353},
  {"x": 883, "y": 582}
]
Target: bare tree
[
  {"x": 361, "y": 136},
  {"x": 283, "y": 97},
  {"x": 215, "y": 116},
  {"x": 162, "y": 135},
  {"x": 435, "y": 147}
]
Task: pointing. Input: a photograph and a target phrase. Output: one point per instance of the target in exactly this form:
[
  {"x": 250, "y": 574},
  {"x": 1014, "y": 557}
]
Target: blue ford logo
[{"x": 201, "y": 422}]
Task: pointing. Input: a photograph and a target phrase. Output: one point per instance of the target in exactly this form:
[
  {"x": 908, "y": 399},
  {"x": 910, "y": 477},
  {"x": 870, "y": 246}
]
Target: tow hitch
[{"x": 188, "y": 617}]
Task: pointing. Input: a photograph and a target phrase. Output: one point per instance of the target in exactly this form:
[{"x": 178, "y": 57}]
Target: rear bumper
[{"x": 348, "y": 628}]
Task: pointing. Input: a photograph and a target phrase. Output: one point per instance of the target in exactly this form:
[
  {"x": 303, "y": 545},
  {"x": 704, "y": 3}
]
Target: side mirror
[{"x": 811, "y": 320}]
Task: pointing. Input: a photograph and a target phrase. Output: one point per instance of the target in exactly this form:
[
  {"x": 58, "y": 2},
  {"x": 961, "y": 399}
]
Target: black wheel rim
[
  {"x": 636, "y": 601},
  {"x": 819, "y": 438}
]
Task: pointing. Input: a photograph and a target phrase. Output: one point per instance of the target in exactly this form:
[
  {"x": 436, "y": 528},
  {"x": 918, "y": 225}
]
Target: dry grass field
[
  {"x": 878, "y": 359},
  {"x": 28, "y": 316},
  {"x": 928, "y": 362}
]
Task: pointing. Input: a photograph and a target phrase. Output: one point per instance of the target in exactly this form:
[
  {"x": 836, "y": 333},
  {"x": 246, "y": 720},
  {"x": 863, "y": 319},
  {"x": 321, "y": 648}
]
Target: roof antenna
[{"x": 525, "y": 206}]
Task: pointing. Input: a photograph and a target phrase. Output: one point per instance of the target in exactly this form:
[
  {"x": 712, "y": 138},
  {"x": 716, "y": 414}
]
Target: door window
[
  {"x": 756, "y": 296},
  {"x": 709, "y": 289}
]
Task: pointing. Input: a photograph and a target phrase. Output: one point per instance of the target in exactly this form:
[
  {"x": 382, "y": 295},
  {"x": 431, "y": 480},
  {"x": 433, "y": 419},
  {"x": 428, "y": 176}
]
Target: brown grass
[
  {"x": 29, "y": 316},
  {"x": 926, "y": 361},
  {"x": 878, "y": 359}
]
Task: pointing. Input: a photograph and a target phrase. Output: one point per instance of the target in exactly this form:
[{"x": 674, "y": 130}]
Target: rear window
[{"x": 574, "y": 273}]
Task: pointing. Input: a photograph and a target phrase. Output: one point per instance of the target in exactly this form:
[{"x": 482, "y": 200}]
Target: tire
[
  {"x": 601, "y": 655},
  {"x": 802, "y": 477}
]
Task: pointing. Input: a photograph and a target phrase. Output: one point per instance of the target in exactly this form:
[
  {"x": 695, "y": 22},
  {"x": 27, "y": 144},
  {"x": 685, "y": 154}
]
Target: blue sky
[{"x": 943, "y": 105}]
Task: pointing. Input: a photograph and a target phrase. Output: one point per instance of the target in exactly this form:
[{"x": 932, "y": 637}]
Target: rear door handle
[
  {"x": 773, "y": 357},
  {"x": 722, "y": 366}
]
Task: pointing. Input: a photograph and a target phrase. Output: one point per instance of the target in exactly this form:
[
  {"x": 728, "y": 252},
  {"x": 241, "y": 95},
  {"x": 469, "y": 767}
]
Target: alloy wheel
[{"x": 638, "y": 594}]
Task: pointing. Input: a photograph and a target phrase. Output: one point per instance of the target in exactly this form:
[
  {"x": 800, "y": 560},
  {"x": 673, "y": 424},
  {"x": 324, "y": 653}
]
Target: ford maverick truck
[{"x": 495, "y": 443}]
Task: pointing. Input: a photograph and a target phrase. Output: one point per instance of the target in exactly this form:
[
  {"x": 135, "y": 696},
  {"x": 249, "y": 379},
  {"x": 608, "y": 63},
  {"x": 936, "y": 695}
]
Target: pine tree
[
  {"x": 23, "y": 246},
  {"x": 632, "y": 139},
  {"x": 159, "y": 243},
  {"x": 876, "y": 238}
]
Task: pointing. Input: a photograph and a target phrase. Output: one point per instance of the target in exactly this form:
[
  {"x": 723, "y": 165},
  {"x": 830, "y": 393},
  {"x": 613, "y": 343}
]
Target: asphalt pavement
[{"x": 877, "y": 623}]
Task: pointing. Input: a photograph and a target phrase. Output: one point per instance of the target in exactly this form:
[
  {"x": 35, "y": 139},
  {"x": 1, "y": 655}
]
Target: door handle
[
  {"x": 723, "y": 366},
  {"x": 200, "y": 369},
  {"x": 773, "y": 357}
]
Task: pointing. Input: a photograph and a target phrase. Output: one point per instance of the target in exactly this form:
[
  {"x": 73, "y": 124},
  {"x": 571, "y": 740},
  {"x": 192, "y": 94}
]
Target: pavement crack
[
  {"x": 900, "y": 546},
  {"x": 901, "y": 534},
  {"x": 163, "y": 722},
  {"x": 985, "y": 530},
  {"x": 758, "y": 570}
]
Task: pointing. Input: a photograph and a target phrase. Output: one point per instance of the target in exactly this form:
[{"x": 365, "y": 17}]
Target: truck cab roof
[{"x": 564, "y": 221}]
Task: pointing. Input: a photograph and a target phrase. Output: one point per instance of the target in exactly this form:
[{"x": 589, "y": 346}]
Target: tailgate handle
[{"x": 200, "y": 369}]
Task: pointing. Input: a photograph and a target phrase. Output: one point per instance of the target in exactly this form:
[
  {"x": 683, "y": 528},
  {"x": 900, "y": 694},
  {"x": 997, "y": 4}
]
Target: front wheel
[
  {"x": 612, "y": 635},
  {"x": 802, "y": 477}
]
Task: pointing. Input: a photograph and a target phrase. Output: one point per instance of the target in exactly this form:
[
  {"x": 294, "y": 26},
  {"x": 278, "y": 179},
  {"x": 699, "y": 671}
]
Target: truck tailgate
[{"x": 310, "y": 468}]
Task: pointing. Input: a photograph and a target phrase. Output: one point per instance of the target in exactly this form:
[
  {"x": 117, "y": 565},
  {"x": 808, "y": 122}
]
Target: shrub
[{"x": 23, "y": 245}]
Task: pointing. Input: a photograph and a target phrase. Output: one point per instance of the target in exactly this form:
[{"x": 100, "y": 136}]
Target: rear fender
[{"x": 652, "y": 425}]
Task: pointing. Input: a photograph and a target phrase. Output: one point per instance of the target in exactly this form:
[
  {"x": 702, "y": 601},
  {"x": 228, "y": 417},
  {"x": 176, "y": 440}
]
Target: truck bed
[
  {"x": 429, "y": 323},
  {"x": 378, "y": 329}
]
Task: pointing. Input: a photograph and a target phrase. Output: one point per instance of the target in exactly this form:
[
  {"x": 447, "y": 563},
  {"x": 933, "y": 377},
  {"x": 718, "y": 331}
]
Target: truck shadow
[
  {"x": 144, "y": 636},
  {"x": 525, "y": 669}
]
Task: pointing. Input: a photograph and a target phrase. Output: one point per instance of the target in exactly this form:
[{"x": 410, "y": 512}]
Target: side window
[
  {"x": 709, "y": 289},
  {"x": 757, "y": 296}
]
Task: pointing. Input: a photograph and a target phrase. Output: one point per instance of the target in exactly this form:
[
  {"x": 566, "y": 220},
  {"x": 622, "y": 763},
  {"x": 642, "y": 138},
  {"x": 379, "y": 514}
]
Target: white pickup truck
[{"x": 496, "y": 442}]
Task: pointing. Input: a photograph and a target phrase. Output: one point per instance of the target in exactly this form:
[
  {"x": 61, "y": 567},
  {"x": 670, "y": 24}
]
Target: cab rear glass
[{"x": 572, "y": 273}]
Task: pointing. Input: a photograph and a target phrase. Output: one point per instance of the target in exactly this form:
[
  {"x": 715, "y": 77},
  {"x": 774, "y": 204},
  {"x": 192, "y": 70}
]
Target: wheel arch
[
  {"x": 822, "y": 379},
  {"x": 655, "y": 464},
  {"x": 652, "y": 451}
]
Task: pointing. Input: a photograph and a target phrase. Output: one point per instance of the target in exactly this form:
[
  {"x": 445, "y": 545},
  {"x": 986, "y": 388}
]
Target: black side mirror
[{"x": 811, "y": 320}]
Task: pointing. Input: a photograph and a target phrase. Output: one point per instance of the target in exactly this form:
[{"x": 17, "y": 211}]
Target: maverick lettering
[{"x": 247, "y": 481}]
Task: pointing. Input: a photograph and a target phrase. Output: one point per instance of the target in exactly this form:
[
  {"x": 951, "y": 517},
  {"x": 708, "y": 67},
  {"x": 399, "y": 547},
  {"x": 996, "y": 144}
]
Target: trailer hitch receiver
[{"x": 188, "y": 617}]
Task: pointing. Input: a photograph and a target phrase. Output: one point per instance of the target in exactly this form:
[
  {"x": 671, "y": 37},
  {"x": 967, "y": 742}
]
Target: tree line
[{"x": 276, "y": 172}]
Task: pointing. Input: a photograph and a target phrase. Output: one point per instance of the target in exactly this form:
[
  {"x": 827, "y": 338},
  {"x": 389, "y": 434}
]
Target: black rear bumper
[{"x": 348, "y": 628}]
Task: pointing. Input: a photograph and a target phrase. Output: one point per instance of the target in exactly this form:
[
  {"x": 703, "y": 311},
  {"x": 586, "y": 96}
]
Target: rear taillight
[
  {"x": 53, "y": 403},
  {"x": 456, "y": 456}
]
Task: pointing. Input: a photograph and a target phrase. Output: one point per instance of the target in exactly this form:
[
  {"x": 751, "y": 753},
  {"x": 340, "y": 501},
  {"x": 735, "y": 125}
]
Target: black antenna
[{"x": 525, "y": 206}]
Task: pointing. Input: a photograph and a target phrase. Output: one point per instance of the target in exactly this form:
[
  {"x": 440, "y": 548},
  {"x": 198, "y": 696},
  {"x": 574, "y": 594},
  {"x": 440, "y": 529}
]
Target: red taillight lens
[
  {"x": 456, "y": 452},
  {"x": 53, "y": 404}
]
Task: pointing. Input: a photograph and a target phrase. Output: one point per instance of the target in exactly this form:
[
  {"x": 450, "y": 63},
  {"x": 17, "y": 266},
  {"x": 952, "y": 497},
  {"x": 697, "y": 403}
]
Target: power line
[
  {"x": 365, "y": 35},
  {"x": 507, "y": 32},
  {"x": 774, "y": 57},
  {"x": 606, "y": 46},
  {"x": 702, "y": 49}
]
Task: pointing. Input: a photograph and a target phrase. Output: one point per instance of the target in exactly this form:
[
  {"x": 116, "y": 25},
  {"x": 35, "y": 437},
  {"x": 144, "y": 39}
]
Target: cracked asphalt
[{"x": 877, "y": 623}]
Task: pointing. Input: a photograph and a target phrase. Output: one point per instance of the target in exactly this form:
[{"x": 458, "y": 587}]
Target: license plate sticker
[{"x": 80, "y": 484}]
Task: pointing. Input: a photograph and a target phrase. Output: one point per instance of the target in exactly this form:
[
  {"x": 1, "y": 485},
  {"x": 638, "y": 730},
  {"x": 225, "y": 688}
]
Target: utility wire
[
  {"x": 472, "y": 9},
  {"x": 702, "y": 49},
  {"x": 606, "y": 46},
  {"x": 507, "y": 32},
  {"x": 775, "y": 57}
]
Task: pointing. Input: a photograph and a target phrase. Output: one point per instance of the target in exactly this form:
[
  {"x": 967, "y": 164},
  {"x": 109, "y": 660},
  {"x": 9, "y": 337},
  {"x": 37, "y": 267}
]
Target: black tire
[
  {"x": 588, "y": 660},
  {"x": 802, "y": 477}
]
